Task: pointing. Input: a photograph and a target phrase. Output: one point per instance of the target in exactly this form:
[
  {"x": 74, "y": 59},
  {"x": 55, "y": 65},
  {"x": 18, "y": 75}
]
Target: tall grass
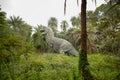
[{"x": 59, "y": 67}]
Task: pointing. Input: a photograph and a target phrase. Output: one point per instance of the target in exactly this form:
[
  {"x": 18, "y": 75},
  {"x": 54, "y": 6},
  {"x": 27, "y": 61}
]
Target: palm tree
[
  {"x": 73, "y": 36},
  {"x": 38, "y": 40},
  {"x": 19, "y": 27},
  {"x": 26, "y": 31},
  {"x": 52, "y": 23},
  {"x": 83, "y": 62},
  {"x": 64, "y": 25},
  {"x": 15, "y": 23},
  {"x": 75, "y": 21}
]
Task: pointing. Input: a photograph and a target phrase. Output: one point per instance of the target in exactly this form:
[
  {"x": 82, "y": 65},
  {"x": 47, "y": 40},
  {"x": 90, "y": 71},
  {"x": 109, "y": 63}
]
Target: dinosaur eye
[{"x": 42, "y": 30}]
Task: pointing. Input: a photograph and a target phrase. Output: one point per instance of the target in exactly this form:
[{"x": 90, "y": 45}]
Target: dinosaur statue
[{"x": 59, "y": 45}]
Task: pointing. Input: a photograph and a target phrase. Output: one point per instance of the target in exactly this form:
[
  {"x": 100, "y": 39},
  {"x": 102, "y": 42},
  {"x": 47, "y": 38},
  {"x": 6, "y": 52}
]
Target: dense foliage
[
  {"x": 14, "y": 38},
  {"x": 21, "y": 46},
  {"x": 60, "y": 67}
]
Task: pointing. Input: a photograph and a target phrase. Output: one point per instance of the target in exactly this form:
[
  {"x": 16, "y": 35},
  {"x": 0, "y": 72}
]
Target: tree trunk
[{"x": 83, "y": 62}]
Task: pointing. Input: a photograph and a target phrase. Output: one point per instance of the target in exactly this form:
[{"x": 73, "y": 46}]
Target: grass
[
  {"x": 105, "y": 67},
  {"x": 60, "y": 67}
]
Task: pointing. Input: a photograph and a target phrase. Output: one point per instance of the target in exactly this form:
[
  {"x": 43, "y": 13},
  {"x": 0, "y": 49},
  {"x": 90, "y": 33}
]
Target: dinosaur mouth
[{"x": 43, "y": 32}]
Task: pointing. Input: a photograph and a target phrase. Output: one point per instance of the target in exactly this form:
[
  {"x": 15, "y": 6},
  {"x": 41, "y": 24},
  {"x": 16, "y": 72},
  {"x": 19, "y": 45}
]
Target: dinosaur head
[{"x": 47, "y": 31}]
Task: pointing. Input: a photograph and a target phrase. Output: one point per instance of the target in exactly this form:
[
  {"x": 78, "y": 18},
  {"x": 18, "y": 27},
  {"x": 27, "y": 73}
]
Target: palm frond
[
  {"x": 95, "y": 1},
  {"x": 112, "y": 6},
  {"x": 65, "y": 7},
  {"x": 77, "y": 2}
]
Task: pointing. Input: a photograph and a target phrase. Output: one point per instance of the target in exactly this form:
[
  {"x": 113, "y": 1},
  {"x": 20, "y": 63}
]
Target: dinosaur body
[{"x": 59, "y": 45}]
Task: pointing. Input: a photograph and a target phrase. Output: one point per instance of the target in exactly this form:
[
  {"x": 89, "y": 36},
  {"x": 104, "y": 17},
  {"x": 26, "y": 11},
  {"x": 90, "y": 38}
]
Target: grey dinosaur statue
[{"x": 59, "y": 45}]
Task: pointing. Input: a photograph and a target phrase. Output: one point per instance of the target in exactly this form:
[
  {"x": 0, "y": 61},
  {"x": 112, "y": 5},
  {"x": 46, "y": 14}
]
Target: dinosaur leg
[{"x": 61, "y": 51}]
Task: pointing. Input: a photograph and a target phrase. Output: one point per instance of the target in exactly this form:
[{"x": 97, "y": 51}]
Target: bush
[{"x": 59, "y": 67}]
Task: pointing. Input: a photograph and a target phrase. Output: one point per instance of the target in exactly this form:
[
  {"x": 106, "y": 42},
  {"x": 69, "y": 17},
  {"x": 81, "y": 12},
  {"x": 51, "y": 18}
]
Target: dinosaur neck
[{"x": 50, "y": 37}]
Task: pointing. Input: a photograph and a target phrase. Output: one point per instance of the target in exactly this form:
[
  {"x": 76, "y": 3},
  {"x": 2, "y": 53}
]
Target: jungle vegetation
[{"x": 24, "y": 54}]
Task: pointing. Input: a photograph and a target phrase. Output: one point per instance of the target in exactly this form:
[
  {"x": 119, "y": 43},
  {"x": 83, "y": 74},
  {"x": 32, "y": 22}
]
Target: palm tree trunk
[
  {"x": 83, "y": 28},
  {"x": 83, "y": 62}
]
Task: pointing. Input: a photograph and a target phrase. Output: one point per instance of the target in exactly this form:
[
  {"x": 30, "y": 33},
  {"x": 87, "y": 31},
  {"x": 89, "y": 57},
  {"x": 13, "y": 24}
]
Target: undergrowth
[{"x": 59, "y": 67}]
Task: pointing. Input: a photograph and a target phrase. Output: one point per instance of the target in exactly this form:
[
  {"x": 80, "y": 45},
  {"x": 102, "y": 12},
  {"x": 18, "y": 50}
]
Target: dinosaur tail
[{"x": 73, "y": 52}]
